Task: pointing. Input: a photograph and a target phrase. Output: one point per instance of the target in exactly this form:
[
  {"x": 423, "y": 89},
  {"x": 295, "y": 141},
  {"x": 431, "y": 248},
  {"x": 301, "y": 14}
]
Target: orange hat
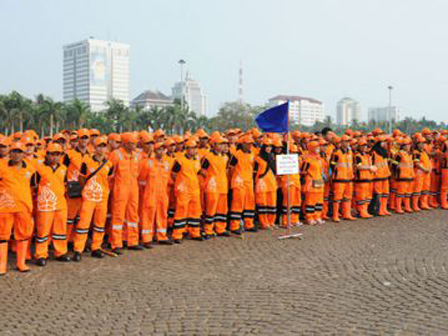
[
  {"x": 94, "y": 132},
  {"x": 362, "y": 142},
  {"x": 59, "y": 136},
  {"x": 322, "y": 142},
  {"x": 349, "y": 132},
  {"x": 420, "y": 139},
  {"x": 296, "y": 134},
  {"x": 256, "y": 133},
  {"x": 100, "y": 140},
  {"x": 267, "y": 142},
  {"x": 217, "y": 140},
  {"x": 169, "y": 142},
  {"x": 231, "y": 132},
  {"x": 114, "y": 137},
  {"x": 201, "y": 133},
  {"x": 84, "y": 132},
  {"x": 17, "y": 146},
  {"x": 396, "y": 133},
  {"x": 313, "y": 145},
  {"x": 293, "y": 148},
  {"x": 247, "y": 139},
  {"x": 146, "y": 137},
  {"x": 178, "y": 139},
  {"x": 4, "y": 141},
  {"x": 191, "y": 143},
  {"x": 17, "y": 135},
  {"x": 336, "y": 139},
  {"x": 380, "y": 138},
  {"x": 426, "y": 131},
  {"x": 345, "y": 137},
  {"x": 353, "y": 142},
  {"x": 277, "y": 143},
  {"x": 54, "y": 147},
  {"x": 377, "y": 131},
  {"x": 129, "y": 137},
  {"x": 441, "y": 139},
  {"x": 159, "y": 133},
  {"x": 73, "y": 137},
  {"x": 27, "y": 141}
]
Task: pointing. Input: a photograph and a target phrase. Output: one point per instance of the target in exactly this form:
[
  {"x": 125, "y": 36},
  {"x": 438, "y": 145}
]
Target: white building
[
  {"x": 381, "y": 114},
  {"x": 348, "y": 110},
  {"x": 302, "y": 110},
  {"x": 149, "y": 99},
  {"x": 96, "y": 71},
  {"x": 193, "y": 95}
]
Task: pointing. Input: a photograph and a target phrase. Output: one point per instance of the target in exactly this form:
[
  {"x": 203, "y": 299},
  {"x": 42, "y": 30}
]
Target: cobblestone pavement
[{"x": 386, "y": 276}]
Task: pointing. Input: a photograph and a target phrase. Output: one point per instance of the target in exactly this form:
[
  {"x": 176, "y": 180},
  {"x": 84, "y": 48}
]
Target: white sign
[{"x": 287, "y": 164}]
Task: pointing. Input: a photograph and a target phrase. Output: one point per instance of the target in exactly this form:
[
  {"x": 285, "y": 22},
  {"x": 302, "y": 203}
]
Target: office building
[
  {"x": 382, "y": 114},
  {"x": 302, "y": 110},
  {"x": 195, "y": 99},
  {"x": 150, "y": 99},
  {"x": 347, "y": 111}
]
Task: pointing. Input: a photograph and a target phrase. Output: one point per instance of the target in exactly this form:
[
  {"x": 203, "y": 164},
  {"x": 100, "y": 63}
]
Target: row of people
[{"x": 141, "y": 188}]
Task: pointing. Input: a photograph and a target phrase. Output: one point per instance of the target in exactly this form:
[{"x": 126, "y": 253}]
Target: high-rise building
[
  {"x": 382, "y": 114},
  {"x": 302, "y": 110},
  {"x": 96, "y": 71},
  {"x": 193, "y": 95},
  {"x": 347, "y": 111},
  {"x": 149, "y": 99}
]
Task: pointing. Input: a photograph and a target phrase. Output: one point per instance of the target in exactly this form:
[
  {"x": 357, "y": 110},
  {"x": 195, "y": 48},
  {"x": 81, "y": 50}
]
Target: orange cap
[
  {"x": 129, "y": 137},
  {"x": 94, "y": 131},
  {"x": 114, "y": 137},
  {"x": 322, "y": 142},
  {"x": 58, "y": 136},
  {"x": 146, "y": 137},
  {"x": 54, "y": 147},
  {"x": 4, "y": 141},
  {"x": 201, "y": 133},
  {"x": 159, "y": 145},
  {"x": 362, "y": 142},
  {"x": 84, "y": 132},
  {"x": 267, "y": 142},
  {"x": 169, "y": 142},
  {"x": 345, "y": 137},
  {"x": 100, "y": 140},
  {"x": 178, "y": 139},
  {"x": 313, "y": 145},
  {"x": 159, "y": 133},
  {"x": 191, "y": 143},
  {"x": 17, "y": 146},
  {"x": 27, "y": 141}
]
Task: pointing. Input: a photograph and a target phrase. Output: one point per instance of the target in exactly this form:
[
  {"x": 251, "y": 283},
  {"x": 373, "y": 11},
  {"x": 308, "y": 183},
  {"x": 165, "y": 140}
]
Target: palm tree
[
  {"x": 118, "y": 113},
  {"x": 77, "y": 112},
  {"x": 51, "y": 110}
]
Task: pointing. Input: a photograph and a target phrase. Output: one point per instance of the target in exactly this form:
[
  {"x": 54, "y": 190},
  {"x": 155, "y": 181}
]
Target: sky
[{"x": 324, "y": 49}]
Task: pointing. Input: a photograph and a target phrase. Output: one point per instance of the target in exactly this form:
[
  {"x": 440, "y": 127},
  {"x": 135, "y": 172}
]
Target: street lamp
[
  {"x": 182, "y": 62},
  {"x": 390, "y": 88}
]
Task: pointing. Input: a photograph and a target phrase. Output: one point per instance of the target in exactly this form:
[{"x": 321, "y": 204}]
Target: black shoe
[
  {"x": 117, "y": 251},
  {"x": 177, "y": 241},
  {"x": 63, "y": 258},
  {"x": 70, "y": 246},
  {"x": 148, "y": 245},
  {"x": 207, "y": 237},
  {"x": 224, "y": 234},
  {"x": 97, "y": 254},
  {"x": 237, "y": 232},
  {"x": 254, "y": 229},
  {"x": 165, "y": 242},
  {"x": 135, "y": 248},
  {"x": 87, "y": 249},
  {"x": 77, "y": 256},
  {"x": 200, "y": 238},
  {"x": 41, "y": 262}
]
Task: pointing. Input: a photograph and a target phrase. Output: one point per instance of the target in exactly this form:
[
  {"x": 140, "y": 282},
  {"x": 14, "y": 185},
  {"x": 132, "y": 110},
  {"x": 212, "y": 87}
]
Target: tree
[
  {"x": 76, "y": 113},
  {"x": 118, "y": 113},
  {"x": 53, "y": 111}
]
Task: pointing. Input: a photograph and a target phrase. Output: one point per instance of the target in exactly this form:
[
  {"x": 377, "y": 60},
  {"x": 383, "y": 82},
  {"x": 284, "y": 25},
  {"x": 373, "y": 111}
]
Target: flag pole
[{"x": 288, "y": 196}]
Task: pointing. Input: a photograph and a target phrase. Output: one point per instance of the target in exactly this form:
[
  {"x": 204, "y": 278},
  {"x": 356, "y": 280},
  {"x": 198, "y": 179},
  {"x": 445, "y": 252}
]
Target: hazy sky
[{"x": 325, "y": 49}]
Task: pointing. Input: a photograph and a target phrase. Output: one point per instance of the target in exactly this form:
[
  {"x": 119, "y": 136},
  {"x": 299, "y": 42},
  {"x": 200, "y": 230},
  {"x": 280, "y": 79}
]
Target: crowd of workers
[{"x": 84, "y": 191}]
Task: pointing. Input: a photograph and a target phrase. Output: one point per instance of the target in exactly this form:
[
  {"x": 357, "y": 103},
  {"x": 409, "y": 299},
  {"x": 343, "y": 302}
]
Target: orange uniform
[
  {"x": 422, "y": 180},
  {"x": 95, "y": 197},
  {"x": 363, "y": 183},
  {"x": 404, "y": 176},
  {"x": 342, "y": 166},
  {"x": 215, "y": 190},
  {"x": 51, "y": 216},
  {"x": 313, "y": 187},
  {"x": 188, "y": 198},
  {"x": 265, "y": 190},
  {"x": 381, "y": 181},
  {"x": 242, "y": 184},
  {"x": 155, "y": 175},
  {"x": 293, "y": 184},
  {"x": 125, "y": 197}
]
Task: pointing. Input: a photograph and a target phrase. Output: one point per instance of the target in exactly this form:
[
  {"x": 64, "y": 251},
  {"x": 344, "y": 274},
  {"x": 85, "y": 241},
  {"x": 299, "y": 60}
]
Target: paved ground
[{"x": 379, "y": 277}]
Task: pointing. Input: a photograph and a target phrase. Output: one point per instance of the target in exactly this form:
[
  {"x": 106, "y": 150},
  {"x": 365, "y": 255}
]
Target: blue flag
[{"x": 274, "y": 120}]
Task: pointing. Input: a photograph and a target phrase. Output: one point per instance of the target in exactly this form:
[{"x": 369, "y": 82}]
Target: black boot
[
  {"x": 77, "y": 256},
  {"x": 41, "y": 262},
  {"x": 135, "y": 248},
  {"x": 97, "y": 254},
  {"x": 63, "y": 258}
]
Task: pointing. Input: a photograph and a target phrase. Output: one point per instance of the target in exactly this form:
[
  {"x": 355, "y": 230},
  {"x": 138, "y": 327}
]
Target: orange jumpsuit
[
  {"x": 295, "y": 198},
  {"x": 16, "y": 207},
  {"x": 51, "y": 216},
  {"x": 125, "y": 198},
  {"x": 171, "y": 197},
  {"x": 188, "y": 197},
  {"x": 95, "y": 197},
  {"x": 313, "y": 187},
  {"x": 422, "y": 181},
  {"x": 265, "y": 192},
  {"x": 342, "y": 166},
  {"x": 156, "y": 174},
  {"x": 243, "y": 198},
  {"x": 404, "y": 176},
  {"x": 363, "y": 184},
  {"x": 444, "y": 179},
  {"x": 73, "y": 161},
  {"x": 381, "y": 181},
  {"x": 215, "y": 190}
]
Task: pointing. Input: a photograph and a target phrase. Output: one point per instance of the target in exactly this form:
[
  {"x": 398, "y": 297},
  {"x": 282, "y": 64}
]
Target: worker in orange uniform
[
  {"x": 242, "y": 184},
  {"x": 16, "y": 206},
  {"x": 73, "y": 160},
  {"x": 126, "y": 162},
  {"x": 313, "y": 187},
  {"x": 266, "y": 185},
  {"x": 422, "y": 180},
  {"x": 170, "y": 156},
  {"x": 403, "y": 171},
  {"x": 342, "y": 169},
  {"x": 325, "y": 157},
  {"x": 51, "y": 216},
  {"x": 444, "y": 176},
  {"x": 293, "y": 184},
  {"x": 214, "y": 172},
  {"x": 155, "y": 172},
  {"x": 382, "y": 175},
  {"x": 95, "y": 173},
  {"x": 113, "y": 142},
  {"x": 188, "y": 199},
  {"x": 364, "y": 171},
  {"x": 4, "y": 147}
]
